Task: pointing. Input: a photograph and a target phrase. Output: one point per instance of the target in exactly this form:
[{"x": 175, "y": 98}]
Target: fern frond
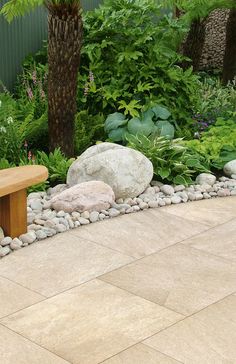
[{"x": 14, "y": 8}]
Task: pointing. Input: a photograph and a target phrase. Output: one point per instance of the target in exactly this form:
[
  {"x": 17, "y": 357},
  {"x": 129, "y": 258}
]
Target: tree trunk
[
  {"x": 229, "y": 67},
  {"x": 193, "y": 45},
  {"x": 64, "y": 45}
]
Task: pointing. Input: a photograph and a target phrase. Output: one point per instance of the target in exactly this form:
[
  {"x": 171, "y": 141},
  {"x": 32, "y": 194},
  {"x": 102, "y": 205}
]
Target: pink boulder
[{"x": 86, "y": 196}]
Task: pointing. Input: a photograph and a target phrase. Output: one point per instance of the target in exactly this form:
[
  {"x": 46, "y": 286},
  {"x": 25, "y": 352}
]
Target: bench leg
[{"x": 13, "y": 213}]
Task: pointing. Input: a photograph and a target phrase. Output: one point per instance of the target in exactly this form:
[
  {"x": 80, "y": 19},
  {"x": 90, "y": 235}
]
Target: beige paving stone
[
  {"x": 14, "y": 349},
  {"x": 60, "y": 263},
  {"x": 140, "y": 354},
  {"x": 90, "y": 323},
  {"x": 142, "y": 233},
  {"x": 211, "y": 212},
  {"x": 14, "y": 297},
  {"x": 220, "y": 240},
  {"x": 208, "y": 337},
  {"x": 181, "y": 278}
]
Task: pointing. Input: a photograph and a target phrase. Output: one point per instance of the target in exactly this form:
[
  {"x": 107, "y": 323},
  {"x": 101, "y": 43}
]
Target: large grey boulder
[
  {"x": 87, "y": 196},
  {"x": 126, "y": 170},
  {"x": 230, "y": 168}
]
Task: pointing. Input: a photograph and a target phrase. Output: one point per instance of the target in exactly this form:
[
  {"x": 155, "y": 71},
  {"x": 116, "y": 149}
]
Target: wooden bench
[{"x": 13, "y": 196}]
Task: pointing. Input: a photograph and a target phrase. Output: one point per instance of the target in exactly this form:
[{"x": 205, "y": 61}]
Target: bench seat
[{"x": 13, "y": 196}]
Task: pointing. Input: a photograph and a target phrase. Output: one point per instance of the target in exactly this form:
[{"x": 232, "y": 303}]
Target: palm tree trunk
[
  {"x": 229, "y": 67},
  {"x": 193, "y": 45},
  {"x": 64, "y": 45}
]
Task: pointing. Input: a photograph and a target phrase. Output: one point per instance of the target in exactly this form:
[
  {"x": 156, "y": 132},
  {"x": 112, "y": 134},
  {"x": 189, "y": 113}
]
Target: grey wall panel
[{"x": 21, "y": 37}]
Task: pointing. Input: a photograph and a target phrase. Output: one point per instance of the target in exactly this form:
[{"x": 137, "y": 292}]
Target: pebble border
[{"x": 43, "y": 222}]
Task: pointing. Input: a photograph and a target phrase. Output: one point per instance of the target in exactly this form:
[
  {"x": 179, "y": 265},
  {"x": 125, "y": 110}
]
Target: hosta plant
[
  {"x": 156, "y": 119},
  {"x": 172, "y": 161}
]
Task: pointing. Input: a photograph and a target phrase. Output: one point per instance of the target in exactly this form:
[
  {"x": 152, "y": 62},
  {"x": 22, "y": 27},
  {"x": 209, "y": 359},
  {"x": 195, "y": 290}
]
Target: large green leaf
[
  {"x": 114, "y": 120},
  {"x": 117, "y": 135},
  {"x": 137, "y": 126},
  {"x": 161, "y": 112},
  {"x": 166, "y": 129}
]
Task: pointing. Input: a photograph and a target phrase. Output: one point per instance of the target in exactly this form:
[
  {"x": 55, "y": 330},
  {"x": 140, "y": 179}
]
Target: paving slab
[
  {"x": 179, "y": 277},
  {"x": 141, "y": 233},
  {"x": 210, "y": 212},
  {"x": 141, "y": 354},
  {"x": 59, "y": 263},
  {"x": 15, "y": 349},
  {"x": 207, "y": 337},
  {"x": 220, "y": 240},
  {"x": 90, "y": 323}
]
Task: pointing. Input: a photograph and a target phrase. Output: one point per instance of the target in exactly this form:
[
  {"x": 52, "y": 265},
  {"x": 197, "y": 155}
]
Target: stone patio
[{"x": 154, "y": 287}]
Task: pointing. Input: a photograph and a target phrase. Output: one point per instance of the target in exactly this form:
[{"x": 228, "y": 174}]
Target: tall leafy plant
[{"x": 129, "y": 59}]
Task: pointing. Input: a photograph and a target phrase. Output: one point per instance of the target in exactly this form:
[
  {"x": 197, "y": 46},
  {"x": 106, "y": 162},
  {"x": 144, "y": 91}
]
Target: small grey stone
[
  {"x": 94, "y": 216},
  {"x": 233, "y": 176},
  {"x": 113, "y": 212},
  {"x": 75, "y": 215},
  {"x": 199, "y": 196},
  {"x": 223, "y": 193},
  {"x": 61, "y": 214},
  {"x": 83, "y": 221},
  {"x": 156, "y": 183},
  {"x": 206, "y": 195},
  {"x": 175, "y": 199},
  {"x": 4, "y": 251},
  {"x": 57, "y": 189},
  {"x": 223, "y": 179},
  {"x": 29, "y": 209},
  {"x": 128, "y": 201},
  {"x": 233, "y": 192},
  {"x": 143, "y": 205},
  {"x": 36, "y": 204},
  {"x": 60, "y": 228},
  {"x": 120, "y": 206},
  {"x": 102, "y": 216},
  {"x": 77, "y": 224},
  {"x": 167, "y": 190},
  {"x": 46, "y": 205},
  {"x": 130, "y": 210},
  {"x": 40, "y": 234},
  {"x": 179, "y": 188},
  {"x": 34, "y": 195},
  {"x": 135, "y": 208},
  {"x": 150, "y": 191},
  {"x": 157, "y": 189},
  {"x": 212, "y": 194},
  {"x": 105, "y": 212},
  {"x": 49, "y": 214},
  {"x": 33, "y": 227},
  {"x": 39, "y": 221},
  {"x": 161, "y": 202},
  {"x": 16, "y": 244},
  {"x": 63, "y": 221},
  {"x": 120, "y": 200},
  {"x": 153, "y": 204},
  {"x": 49, "y": 232},
  {"x": 85, "y": 215},
  {"x": 138, "y": 200},
  {"x": 28, "y": 238},
  {"x": 191, "y": 196},
  {"x": 50, "y": 224},
  {"x": 30, "y": 218},
  {"x": 6, "y": 241},
  {"x": 167, "y": 200},
  {"x": 71, "y": 223}
]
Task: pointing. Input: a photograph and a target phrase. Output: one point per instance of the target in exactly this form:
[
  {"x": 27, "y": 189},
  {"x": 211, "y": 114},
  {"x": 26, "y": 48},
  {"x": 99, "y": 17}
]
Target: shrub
[
  {"x": 218, "y": 144},
  {"x": 172, "y": 161},
  {"x": 129, "y": 60}
]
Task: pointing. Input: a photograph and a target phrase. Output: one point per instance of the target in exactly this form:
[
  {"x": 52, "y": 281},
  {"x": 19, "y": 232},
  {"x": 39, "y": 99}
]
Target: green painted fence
[{"x": 21, "y": 37}]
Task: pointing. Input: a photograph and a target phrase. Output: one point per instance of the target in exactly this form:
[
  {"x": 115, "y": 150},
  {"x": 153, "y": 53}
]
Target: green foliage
[
  {"x": 14, "y": 8},
  {"x": 56, "y": 163},
  {"x": 172, "y": 161},
  {"x": 218, "y": 144},
  {"x": 88, "y": 130},
  {"x": 154, "y": 120},
  {"x": 129, "y": 61}
]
